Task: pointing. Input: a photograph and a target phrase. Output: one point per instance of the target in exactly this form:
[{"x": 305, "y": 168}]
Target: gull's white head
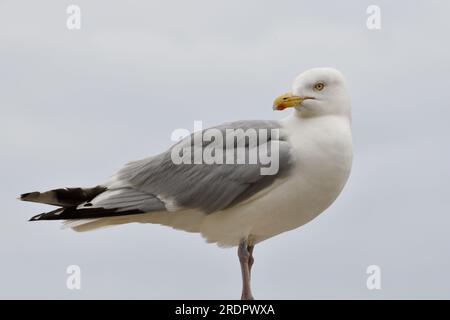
[{"x": 317, "y": 92}]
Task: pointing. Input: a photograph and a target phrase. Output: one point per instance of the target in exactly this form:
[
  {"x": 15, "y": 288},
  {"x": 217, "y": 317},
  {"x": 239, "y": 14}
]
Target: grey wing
[
  {"x": 156, "y": 182},
  {"x": 161, "y": 183}
]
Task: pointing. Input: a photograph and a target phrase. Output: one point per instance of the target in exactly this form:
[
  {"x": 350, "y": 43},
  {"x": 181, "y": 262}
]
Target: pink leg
[{"x": 246, "y": 261}]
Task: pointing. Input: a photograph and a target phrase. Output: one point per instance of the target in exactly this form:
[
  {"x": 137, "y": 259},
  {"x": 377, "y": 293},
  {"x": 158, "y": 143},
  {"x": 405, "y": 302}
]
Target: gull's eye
[{"x": 319, "y": 86}]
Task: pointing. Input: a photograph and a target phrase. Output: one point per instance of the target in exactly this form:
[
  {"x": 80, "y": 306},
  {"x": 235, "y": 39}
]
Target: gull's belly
[
  {"x": 287, "y": 205},
  {"x": 299, "y": 200}
]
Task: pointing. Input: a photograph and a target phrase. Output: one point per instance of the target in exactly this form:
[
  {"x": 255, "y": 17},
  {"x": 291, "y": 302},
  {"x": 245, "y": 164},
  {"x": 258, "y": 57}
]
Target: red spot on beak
[{"x": 281, "y": 106}]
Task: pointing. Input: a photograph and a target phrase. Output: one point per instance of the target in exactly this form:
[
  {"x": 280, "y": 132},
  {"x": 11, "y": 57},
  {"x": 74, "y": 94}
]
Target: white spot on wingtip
[{"x": 35, "y": 218}]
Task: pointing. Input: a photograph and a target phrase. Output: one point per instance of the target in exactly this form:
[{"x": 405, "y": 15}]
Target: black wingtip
[
  {"x": 52, "y": 215},
  {"x": 36, "y": 218},
  {"x": 27, "y": 196},
  {"x": 63, "y": 197}
]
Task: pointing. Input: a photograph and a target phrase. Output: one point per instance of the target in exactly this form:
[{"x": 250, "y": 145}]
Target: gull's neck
[{"x": 296, "y": 118}]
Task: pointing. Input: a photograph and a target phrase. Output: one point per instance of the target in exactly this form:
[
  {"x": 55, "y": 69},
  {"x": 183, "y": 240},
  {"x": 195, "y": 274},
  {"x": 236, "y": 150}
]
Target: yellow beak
[{"x": 288, "y": 100}]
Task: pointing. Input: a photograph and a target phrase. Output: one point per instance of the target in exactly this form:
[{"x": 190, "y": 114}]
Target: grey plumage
[
  {"x": 207, "y": 187},
  {"x": 124, "y": 199}
]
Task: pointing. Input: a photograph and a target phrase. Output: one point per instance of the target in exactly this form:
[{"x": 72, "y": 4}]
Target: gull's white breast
[{"x": 322, "y": 155}]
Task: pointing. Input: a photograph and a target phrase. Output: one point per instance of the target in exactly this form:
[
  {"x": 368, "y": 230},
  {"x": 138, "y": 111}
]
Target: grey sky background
[{"x": 76, "y": 105}]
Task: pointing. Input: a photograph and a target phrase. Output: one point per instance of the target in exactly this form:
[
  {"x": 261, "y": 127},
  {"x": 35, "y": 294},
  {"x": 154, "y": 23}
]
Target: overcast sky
[{"x": 76, "y": 105}]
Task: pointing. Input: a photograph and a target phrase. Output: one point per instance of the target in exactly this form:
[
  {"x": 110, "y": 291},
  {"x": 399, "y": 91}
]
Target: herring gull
[{"x": 231, "y": 203}]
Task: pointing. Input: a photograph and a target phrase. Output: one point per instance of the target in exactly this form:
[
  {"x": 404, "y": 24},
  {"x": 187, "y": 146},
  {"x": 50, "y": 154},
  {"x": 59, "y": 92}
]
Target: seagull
[{"x": 231, "y": 204}]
